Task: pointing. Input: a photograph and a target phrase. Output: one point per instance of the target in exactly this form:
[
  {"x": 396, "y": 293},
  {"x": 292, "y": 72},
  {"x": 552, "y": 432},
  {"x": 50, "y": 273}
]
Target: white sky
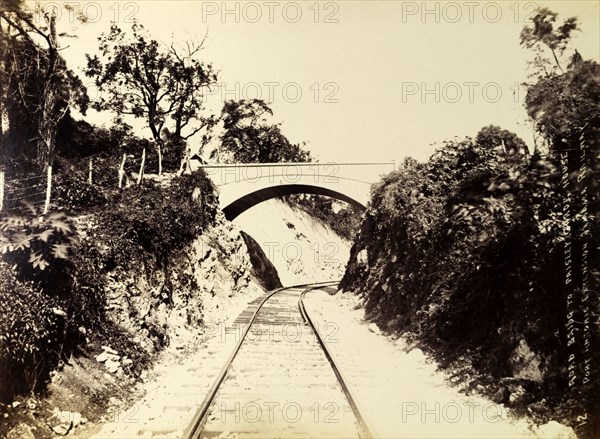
[{"x": 374, "y": 60}]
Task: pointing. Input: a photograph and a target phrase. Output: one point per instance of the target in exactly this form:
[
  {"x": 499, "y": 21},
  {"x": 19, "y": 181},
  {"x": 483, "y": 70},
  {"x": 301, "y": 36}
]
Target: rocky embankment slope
[
  {"x": 301, "y": 248},
  {"x": 159, "y": 312},
  {"x": 206, "y": 277}
]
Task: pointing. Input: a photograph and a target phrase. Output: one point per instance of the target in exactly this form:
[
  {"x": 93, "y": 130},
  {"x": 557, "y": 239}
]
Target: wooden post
[
  {"x": 185, "y": 161},
  {"x": 1, "y": 190},
  {"x": 141, "y": 176},
  {"x": 48, "y": 190},
  {"x": 122, "y": 171},
  {"x": 159, "y": 151},
  {"x": 91, "y": 167}
]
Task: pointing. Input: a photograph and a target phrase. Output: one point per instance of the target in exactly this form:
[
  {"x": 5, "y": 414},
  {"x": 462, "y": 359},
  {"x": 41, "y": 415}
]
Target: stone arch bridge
[{"x": 243, "y": 185}]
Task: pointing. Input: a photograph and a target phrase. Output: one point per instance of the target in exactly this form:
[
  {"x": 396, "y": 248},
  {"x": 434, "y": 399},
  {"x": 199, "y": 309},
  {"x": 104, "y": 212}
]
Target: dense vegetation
[
  {"x": 54, "y": 278},
  {"x": 487, "y": 256},
  {"x": 55, "y": 267}
]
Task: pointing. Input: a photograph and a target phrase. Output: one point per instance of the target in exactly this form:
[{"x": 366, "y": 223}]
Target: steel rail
[
  {"x": 194, "y": 429},
  {"x": 364, "y": 431}
]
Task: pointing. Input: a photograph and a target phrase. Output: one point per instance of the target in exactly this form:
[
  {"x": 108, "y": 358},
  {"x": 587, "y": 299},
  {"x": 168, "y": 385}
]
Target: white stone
[
  {"x": 363, "y": 257},
  {"x": 109, "y": 350},
  {"x": 62, "y": 429},
  {"x": 111, "y": 366},
  {"x": 76, "y": 418},
  {"x": 374, "y": 328}
]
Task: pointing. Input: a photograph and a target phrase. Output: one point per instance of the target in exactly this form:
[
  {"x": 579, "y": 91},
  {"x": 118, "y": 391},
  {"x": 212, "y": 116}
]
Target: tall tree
[
  {"x": 543, "y": 36},
  {"x": 166, "y": 86},
  {"x": 248, "y": 138},
  {"x": 563, "y": 103},
  {"x": 36, "y": 83}
]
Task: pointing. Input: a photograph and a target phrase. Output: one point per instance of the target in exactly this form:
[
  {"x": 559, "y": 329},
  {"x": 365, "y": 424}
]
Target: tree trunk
[
  {"x": 48, "y": 119},
  {"x": 556, "y": 60},
  {"x": 536, "y": 153}
]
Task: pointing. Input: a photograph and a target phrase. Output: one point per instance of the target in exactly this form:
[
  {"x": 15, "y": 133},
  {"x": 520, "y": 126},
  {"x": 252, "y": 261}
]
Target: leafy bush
[
  {"x": 157, "y": 220},
  {"x": 466, "y": 254},
  {"x": 249, "y": 138},
  {"x": 31, "y": 329},
  {"x": 75, "y": 194},
  {"x": 78, "y": 138},
  {"x": 39, "y": 247}
]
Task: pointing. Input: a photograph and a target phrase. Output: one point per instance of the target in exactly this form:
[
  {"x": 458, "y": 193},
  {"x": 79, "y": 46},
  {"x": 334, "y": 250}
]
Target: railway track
[{"x": 281, "y": 379}]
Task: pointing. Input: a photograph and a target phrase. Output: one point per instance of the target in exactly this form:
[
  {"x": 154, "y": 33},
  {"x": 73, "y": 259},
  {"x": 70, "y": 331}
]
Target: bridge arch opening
[{"x": 234, "y": 209}]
